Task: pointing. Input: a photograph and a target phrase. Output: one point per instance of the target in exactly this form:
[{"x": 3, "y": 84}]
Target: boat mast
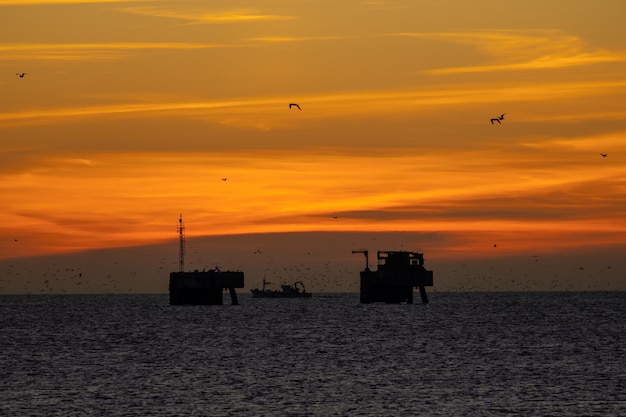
[{"x": 181, "y": 254}]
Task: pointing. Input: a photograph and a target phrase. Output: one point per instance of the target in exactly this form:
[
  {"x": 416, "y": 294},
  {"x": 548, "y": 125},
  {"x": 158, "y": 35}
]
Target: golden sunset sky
[{"x": 132, "y": 112}]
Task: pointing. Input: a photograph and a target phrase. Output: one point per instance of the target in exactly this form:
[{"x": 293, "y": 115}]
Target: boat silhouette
[{"x": 296, "y": 290}]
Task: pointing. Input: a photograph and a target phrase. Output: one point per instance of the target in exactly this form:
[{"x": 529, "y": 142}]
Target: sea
[{"x": 462, "y": 354}]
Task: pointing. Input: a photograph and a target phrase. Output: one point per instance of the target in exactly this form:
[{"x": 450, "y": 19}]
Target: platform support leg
[
  {"x": 423, "y": 294},
  {"x": 233, "y": 296}
]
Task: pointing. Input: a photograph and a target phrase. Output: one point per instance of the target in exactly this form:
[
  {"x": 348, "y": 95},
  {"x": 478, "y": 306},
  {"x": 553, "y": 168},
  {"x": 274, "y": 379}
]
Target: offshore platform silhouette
[
  {"x": 398, "y": 273},
  {"x": 201, "y": 287}
]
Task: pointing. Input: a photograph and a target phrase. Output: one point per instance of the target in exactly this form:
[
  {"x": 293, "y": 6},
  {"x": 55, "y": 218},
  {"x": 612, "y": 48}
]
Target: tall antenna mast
[{"x": 181, "y": 234}]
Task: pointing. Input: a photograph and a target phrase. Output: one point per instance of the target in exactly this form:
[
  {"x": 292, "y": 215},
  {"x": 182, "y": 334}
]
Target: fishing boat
[{"x": 296, "y": 290}]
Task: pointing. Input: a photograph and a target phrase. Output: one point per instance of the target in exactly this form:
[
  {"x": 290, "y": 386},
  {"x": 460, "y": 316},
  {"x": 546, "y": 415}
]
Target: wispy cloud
[
  {"x": 327, "y": 105},
  {"x": 281, "y": 191},
  {"x": 579, "y": 116},
  {"x": 43, "y": 115},
  {"x": 385, "y": 5},
  {"x": 199, "y": 16},
  {"x": 544, "y": 62},
  {"x": 591, "y": 143},
  {"x": 42, "y": 2},
  {"x": 91, "y": 51},
  {"x": 522, "y": 50},
  {"x": 286, "y": 39}
]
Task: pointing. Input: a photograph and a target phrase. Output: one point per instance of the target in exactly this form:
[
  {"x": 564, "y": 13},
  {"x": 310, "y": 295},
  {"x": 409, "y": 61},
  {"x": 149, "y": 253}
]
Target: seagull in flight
[
  {"x": 224, "y": 179},
  {"x": 497, "y": 119},
  {"x": 603, "y": 155},
  {"x": 21, "y": 74},
  {"x": 294, "y": 105}
]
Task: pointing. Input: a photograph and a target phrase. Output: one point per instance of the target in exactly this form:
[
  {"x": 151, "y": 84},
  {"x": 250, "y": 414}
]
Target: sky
[{"x": 132, "y": 113}]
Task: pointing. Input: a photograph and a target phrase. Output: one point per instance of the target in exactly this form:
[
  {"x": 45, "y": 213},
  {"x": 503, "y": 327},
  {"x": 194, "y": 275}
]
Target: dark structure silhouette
[
  {"x": 296, "y": 290},
  {"x": 398, "y": 273},
  {"x": 294, "y": 105},
  {"x": 204, "y": 287},
  {"x": 201, "y": 287}
]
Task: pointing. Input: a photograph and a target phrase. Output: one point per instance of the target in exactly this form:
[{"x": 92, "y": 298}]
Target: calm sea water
[{"x": 491, "y": 354}]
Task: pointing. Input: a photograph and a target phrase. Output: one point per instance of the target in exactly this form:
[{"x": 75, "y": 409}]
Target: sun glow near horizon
[{"x": 131, "y": 198}]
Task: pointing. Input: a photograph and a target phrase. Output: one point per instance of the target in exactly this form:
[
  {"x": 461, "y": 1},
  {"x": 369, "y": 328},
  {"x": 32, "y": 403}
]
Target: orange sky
[{"x": 132, "y": 112}]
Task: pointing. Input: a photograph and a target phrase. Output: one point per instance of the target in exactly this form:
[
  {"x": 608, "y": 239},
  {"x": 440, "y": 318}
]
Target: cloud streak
[
  {"x": 199, "y": 16},
  {"x": 91, "y": 51},
  {"x": 521, "y": 50},
  {"x": 332, "y": 104},
  {"x": 287, "y": 39},
  {"x": 69, "y": 2},
  {"x": 544, "y": 62},
  {"x": 273, "y": 191}
]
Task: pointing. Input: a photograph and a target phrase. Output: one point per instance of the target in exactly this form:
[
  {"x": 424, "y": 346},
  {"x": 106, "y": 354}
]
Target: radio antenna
[{"x": 181, "y": 234}]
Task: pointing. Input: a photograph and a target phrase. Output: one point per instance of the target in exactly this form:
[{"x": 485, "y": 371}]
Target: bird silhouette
[
  {"x": 21, "y": 74},
  {"x": 604, "y": 155},
  {"x": 497, "y": 119},
  {"x": 224, "y": 179},
  {"x": 294, "y": 105}
]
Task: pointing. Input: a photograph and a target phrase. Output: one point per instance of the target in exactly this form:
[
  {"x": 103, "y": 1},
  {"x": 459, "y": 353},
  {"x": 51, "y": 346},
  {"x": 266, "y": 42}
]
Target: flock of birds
[{"x": 60, "y": 280}]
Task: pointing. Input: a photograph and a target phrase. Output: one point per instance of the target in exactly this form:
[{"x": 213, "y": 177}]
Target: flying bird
[
  {"x": 497, "y": 119},
  {"x": 224, "y": 179},
  {"x": 21, "y": 74},
  {"x": 604, "y": 155},
  {"x": 294, "y": 105}
]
